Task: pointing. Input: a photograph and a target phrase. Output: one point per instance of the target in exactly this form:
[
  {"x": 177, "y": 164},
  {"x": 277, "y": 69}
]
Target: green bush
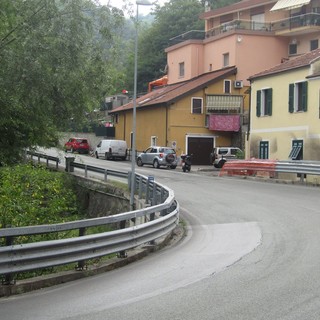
[{"x": 33, "y": 195}]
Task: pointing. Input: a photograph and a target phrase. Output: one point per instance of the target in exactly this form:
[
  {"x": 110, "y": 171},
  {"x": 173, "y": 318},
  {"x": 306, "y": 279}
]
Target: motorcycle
[{"x": 186, "y": 162}]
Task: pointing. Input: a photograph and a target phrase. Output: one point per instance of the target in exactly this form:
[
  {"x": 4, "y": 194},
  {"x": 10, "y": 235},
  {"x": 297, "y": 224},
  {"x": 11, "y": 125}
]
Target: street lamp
[{"x": 134, "y": 116}]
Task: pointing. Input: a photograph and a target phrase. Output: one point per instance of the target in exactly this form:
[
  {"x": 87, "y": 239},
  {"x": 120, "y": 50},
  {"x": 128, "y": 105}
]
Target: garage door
[{"x": 200, "y": 148}]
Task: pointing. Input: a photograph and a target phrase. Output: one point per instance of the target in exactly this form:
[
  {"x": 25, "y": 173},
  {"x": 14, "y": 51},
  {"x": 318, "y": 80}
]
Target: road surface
[{"x": 251, "y": 252}]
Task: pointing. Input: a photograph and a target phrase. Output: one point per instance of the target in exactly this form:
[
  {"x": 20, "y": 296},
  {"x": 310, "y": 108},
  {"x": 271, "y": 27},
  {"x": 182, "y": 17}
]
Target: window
[
  {"x": 314, "y": 44},
  {"x": 296, "y": 152},
  {"x": 264, "y": 102},
  {"x": 181, "y": 69},
  {"x": 196, "y": 105},
  {"x": 298, "y": 97},
  {"x": 227, "y": 86},
  {"x": 292, "y": 48},
  {"x": 264, "y": 150},
  {"x": 153, "y": 141},
  {"x": 116, "y": 118},
  {"x": 226, "y": 59},
  {"x": 257, "y": 21}
]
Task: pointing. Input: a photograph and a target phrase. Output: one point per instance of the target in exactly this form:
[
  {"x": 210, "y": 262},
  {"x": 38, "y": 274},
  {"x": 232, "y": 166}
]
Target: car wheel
[
  {"x": 139, "y": 162},
  {"x": 156, "y": 164},
  {"x": 97, "y": 155}
]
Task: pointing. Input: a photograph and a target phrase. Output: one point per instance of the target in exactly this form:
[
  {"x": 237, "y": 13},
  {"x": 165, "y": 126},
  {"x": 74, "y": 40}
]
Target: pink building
[{"x": 252, "y": 35}]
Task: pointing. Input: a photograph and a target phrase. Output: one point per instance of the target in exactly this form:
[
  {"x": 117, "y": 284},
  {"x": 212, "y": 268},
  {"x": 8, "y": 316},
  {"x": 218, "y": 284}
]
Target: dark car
[
  {"x": 158, "y": 157},
  {"x": 80, "y": 145}
]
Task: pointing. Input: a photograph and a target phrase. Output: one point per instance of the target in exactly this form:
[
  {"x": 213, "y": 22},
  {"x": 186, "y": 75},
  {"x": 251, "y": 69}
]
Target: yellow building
[
  {"x": 285, "y": 105},
  {"x": 192, "y": 116}
]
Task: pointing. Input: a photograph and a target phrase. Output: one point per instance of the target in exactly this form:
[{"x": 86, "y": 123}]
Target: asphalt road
[{"x": 251, "y": 253}]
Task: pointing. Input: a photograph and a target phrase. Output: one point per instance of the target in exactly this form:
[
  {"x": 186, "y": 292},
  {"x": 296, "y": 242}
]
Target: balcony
[
  {"x": 297, "y": 25},
  {"x": 300, "y": 24}
]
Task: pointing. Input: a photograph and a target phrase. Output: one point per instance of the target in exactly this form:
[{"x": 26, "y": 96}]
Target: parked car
[
  {"x": 111, "y": 149},
  {"x": 220, "y": 155},
  {"x": 158, "y": 157},
  {"x": 80, "y": 145}
]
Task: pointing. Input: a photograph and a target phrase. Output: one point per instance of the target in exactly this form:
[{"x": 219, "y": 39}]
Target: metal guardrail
[
  {"x": 159, "y": 220},
  {"x": 272, "y": 167}
]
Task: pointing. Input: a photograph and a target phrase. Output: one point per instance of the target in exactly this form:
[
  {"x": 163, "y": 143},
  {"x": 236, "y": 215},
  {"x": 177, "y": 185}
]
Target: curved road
[{"x": 251, "y": 253}]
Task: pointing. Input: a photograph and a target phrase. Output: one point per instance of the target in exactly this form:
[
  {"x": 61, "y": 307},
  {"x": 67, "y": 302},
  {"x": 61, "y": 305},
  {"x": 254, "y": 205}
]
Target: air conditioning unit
[{"x": 238, "y": 84}]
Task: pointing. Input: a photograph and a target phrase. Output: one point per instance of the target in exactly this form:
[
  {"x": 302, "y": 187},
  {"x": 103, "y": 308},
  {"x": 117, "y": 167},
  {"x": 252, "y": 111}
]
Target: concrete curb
[{"x": 133, "y": 255}]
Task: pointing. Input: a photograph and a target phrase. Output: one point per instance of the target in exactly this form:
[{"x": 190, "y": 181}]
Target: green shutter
[
  {"x": 291, "y": 95},
  {"x": 258, "y": 106},
  {"x": 269, "y": 102},
  {"x": 305, "y": 96}
]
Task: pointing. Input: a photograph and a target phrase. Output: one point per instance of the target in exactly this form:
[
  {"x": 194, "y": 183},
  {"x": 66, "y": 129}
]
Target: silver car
[{"x": 158, "y": 157}]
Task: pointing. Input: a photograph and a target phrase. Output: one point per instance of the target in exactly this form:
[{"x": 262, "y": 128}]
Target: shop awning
[{"x": 289, "y": 4}]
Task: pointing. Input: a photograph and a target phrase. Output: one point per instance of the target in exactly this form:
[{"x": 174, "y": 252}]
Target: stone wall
[{"x": 100, "y": 199}]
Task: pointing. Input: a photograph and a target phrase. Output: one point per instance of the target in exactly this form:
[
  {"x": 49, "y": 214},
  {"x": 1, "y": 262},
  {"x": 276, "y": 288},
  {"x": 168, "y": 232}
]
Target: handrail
[{"x": 162, "y": 217}]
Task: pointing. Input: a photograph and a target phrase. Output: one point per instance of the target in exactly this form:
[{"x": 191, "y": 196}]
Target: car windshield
[{"x": 82, "y": 140}]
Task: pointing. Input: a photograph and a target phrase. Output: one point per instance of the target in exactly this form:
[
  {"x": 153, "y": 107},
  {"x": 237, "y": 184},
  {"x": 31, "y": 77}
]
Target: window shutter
[
  {"x": 269, "y": 102},
  {"x": 291, "y": 94},
  {"x": 305, "y": 96},
  {"x": 258, "y": 106}
]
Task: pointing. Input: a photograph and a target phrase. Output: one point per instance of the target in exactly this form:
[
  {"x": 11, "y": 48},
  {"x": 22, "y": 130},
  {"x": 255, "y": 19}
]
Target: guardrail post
[
  {"x": 154, "y": 194},
  {"x": 81, "y": 263},
  {"x": 8, "y": 278},
  {"x": 150, "y": 183},
  {"x": 86, "y": 171},
  {"x": 123, "y": 253},
  {"x": 69, "y": 167},
  {"x": 140, "y": 187},
  {"x": 105, "y": 174},
  {"x": 162, "y": 198}
]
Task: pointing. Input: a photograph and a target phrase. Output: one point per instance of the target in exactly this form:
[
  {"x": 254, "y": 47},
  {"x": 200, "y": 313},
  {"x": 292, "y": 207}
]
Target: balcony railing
[
  {"x": 190, "y": 35},
  {"x": 305, "y": 20}
]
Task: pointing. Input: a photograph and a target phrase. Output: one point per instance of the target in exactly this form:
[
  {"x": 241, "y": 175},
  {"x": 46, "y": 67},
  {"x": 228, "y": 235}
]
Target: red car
[{"x": 80, "y": 145}]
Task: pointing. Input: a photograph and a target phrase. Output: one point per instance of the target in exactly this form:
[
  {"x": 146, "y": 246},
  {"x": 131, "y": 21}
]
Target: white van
[{"x": 111, "y": 149}]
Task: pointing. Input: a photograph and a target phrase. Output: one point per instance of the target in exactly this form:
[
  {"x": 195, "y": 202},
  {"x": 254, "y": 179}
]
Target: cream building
[{"x": 285, "y": 110}]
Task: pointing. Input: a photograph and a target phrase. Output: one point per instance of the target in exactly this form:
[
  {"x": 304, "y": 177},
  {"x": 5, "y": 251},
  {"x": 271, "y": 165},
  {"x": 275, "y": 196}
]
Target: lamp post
[{"x": 134, "y": 115}]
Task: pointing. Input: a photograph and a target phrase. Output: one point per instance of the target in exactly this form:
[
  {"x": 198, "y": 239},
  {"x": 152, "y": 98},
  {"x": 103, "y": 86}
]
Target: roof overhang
[{"x": 289, "y": 4}]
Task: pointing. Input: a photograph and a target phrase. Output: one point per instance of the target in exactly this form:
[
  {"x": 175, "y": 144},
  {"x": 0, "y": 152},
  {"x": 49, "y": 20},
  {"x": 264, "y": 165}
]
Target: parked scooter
[{"x": 186, "y": 162}]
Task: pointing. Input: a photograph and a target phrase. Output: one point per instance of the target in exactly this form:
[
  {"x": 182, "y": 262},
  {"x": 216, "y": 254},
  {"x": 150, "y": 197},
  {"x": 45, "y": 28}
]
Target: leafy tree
[
  {"x": 170, "y": 20},
  {"x": 59, "y": 58},
  {"x": 215, "y": 4}
]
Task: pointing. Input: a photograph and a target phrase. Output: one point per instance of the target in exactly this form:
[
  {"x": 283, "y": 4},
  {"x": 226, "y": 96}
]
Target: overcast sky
[{"x": 144, "y": 10}]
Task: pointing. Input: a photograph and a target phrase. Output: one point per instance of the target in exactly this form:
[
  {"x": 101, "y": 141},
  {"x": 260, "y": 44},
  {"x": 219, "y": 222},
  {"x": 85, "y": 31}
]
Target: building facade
[
  {"x": 285, "y": 117},
  {"x": 191, "y": 116}
]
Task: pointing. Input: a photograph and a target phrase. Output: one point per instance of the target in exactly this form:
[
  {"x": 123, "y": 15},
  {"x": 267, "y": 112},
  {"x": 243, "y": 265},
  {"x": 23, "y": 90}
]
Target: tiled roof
[
  {"x": 171, "y": 93},
  {"x": 299, "y": 62},
  {"x": 235, "y": 7}
]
